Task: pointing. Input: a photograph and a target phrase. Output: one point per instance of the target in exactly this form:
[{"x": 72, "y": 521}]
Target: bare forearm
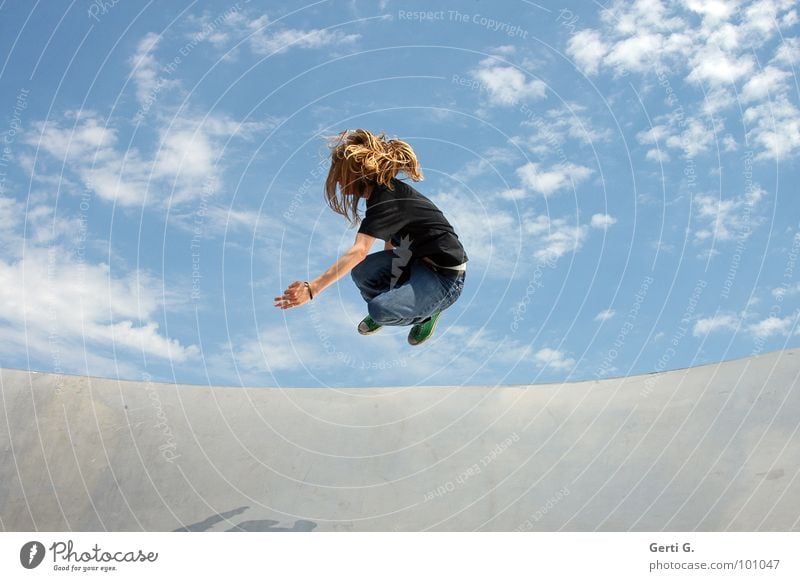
[{"x": 340, "y": 268}]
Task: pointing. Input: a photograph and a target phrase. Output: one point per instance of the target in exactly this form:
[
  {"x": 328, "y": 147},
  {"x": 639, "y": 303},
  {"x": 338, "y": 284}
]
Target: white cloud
[
  {"x": 788, "y": 52},
  {"x": 458, "y": 352},
  {"x": 267, "y": 37},
  {"x": 605, "y": 315},
  {"x": 513, "y": 194},
  {"x": 602, "y": 221},
  {"x": 635, "y": 53},
  {"x": 507, "y": 85},
  {"x": 263, "y": 35},
  {"x": 10, "y": 213},
  {"x": 184, "y": 165},
  {"x": 49, "y": 294},
  {"x": 552, "y": 239},
  {"x": 760, "y": 19},
  {"x": 719, "y": 216},
  {"x": 715, "y": 101},
  {"x": 715, "y": 67},
  {"x": 558, "y": 177},
  {"x": 769, "y": 81},
  {"x": 276, "y": 351},
  {"x": 723, "y": 220},
  {"x": 712, "y": 9},
  {"x": 692, "y": 136},
  {"x": 88, "y": 136},
  {"x": 486, "y": 163},
  {"x": 635, "y": 36},
  {"x": 641, "y": 15},
  {"x": 588, "y": 49},
  {"x": 657, "y": 155},
  {"x": 729, "y": 143},
  {"x": 490, "y": 235},
  {"x": 718, "y": 322},
  {"x": 789, "y": 19},
  {"x": 189, "y": 157},
  {"x": 214, "y": 219},
  {"x": 89, "y": 148},
  {"x": 697, "y": 138},
  {"x": 506, "y": 49},
  {"x": 555, "y": 126},
  {"x": 44, "y": 227},
  {"x": 216, "y": 29},
  {"x": 145, "y": 70},
  {"x": 786, "y": 291},
  {"x": 63, "y": 308},
  {"x": 654, "y": 134},
  {"x": 715, "y": 47},
  {"x": 775, "y": 126},
  {"x": 504, "y": 244},
  {"x": 772, "y": 326},
  {"x": 554, "y": 359}
]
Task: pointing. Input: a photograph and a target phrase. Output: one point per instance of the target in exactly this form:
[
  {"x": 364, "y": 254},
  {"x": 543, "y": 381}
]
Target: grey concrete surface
[{"x": 715, "y": 447}]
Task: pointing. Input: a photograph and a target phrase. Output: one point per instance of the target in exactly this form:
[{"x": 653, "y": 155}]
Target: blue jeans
[{"x": 409, "y": 299}]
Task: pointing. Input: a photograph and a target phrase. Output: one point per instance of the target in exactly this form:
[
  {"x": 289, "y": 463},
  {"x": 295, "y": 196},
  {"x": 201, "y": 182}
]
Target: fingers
[{"x": 292, "y": 296}]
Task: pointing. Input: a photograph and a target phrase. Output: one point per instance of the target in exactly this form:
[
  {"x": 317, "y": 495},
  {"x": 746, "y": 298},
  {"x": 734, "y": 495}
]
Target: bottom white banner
[{"x": 390, "y": 556}]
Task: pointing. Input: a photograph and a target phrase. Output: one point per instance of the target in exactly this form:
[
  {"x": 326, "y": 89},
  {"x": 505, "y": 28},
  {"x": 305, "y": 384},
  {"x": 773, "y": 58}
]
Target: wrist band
[{"x": 310, "y": 294}]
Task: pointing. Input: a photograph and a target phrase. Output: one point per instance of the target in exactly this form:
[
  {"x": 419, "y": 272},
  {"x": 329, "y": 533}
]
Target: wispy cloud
[
  {"x": 714, "y": 45},
  {"x": 552, "y": 129},
  {"x": 146, "y": 71},
  {"x": 506, "y": 85},
  {"x": 550, "y": 181},
  {"x": 183, "y": 165},
  {"x": 691, "y": 136},
  {"x": 602, "y": 221},
  {"x": 503, "y": 243},
  {"x": 490, "y": 162},
  {"x": 553, "y": 238},
  {"x": 52, "y": 299},
  {"x": 588, "y": 49},
  {"x": 773, "y": 326},
  {"x": 554, "y": 359},
  {"x": 718, "y": 322},
  {"x": 605, "y": 315},
  {"x": 265, "y": 36},
  {"x": 724, "y": 220},
  {"x": 788, "y": 290}
]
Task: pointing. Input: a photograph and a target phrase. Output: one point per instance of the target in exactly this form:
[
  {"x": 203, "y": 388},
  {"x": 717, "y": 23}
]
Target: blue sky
[{"x": 623, "y": 178}]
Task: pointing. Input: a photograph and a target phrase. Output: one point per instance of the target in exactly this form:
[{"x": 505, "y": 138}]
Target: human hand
[{"x": 298, "y": 293}]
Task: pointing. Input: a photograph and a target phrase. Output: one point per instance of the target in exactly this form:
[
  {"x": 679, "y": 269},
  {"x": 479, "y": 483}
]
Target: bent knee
[
  {"x": 379, "y": 313},
  {"x": 383, "y": 312}
]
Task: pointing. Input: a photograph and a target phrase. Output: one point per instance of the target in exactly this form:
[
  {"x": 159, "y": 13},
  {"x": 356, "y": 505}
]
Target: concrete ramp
[{"x": 710, "y": 448}]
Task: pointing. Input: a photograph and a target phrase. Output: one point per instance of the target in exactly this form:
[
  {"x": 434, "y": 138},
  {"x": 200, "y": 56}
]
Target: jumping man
[{"x": 421, "y": 270}]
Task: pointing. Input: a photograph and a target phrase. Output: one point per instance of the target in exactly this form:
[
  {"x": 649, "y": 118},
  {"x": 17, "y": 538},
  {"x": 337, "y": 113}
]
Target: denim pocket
[{"x": 454, "y": 291}]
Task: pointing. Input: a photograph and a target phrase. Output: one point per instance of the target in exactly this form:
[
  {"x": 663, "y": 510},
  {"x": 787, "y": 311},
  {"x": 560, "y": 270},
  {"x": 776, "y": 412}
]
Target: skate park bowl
[{"x": 708, "y": 448}]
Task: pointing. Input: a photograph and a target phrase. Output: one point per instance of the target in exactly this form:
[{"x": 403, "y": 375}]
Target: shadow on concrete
[
  {"x": 206, "y": 524},
  {"x": 300, "y": 526}
]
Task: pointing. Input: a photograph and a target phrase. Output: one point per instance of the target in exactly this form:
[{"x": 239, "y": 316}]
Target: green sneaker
[
  {"x": 368, "y": 326},
  {"x": 421, "y": 332}
]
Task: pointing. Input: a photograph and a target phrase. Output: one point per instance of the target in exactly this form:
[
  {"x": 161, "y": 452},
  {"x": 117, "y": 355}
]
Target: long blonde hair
[{"x": 360, "y": 161}]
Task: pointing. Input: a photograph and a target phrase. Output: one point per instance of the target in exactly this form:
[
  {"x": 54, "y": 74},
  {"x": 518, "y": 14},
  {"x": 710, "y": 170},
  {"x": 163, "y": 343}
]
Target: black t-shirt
[{"x": 408, "y": 218}]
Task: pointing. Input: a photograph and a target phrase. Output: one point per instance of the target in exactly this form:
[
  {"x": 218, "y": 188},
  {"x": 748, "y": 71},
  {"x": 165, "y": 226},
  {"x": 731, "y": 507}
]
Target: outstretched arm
[{"x": 298, "y": 294}]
